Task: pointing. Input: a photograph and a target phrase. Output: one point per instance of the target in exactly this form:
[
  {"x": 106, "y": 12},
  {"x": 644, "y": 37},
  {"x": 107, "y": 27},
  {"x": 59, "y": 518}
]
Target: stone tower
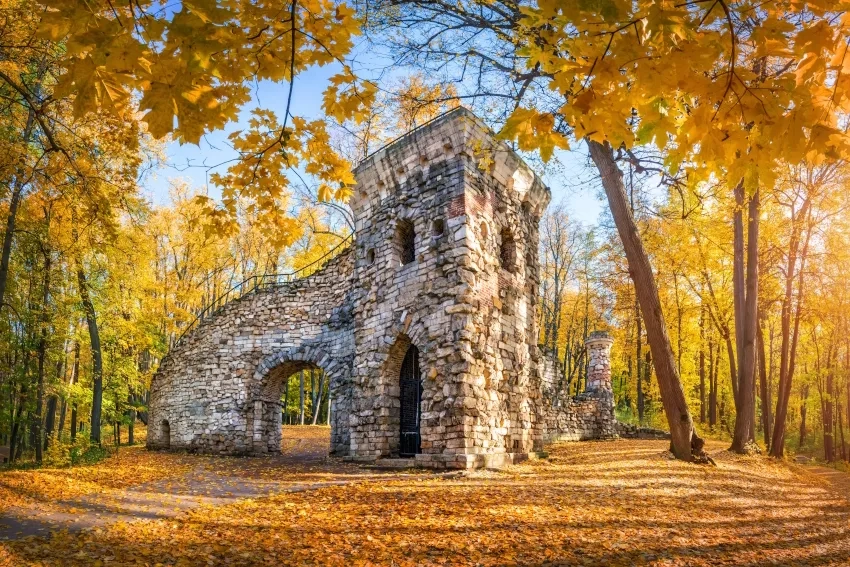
[
  {"x": 447, "y": 264},
  {"x": 426, "y": 325}
]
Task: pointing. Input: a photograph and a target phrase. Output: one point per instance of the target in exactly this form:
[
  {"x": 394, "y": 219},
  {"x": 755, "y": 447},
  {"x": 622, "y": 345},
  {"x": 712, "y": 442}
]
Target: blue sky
[{"x": 570, "y": 185}]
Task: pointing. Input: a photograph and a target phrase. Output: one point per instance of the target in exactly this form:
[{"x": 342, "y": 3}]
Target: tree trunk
[
  {"x": 75, "y": 377},
  {"x": 50, "y": 419},
  {"x": 286, "y": 400},
  {"x": 60, "y": 375},
  {"x": 42, "y": 354},
  {"x": 97, "y": 357},
  {"x": 639, "y": 358},
  {"x": 15, "y": 202},
  {"x": 682, "y": 432},
  {"x": 14, "y": 440},
  {"x": 738, "y": 289},
  {"x": 804, "y": 398},
  {"x": 745, "y": 408},
  {"x": 20, "y": 445},
  {"x": 131, "y": 414},
  {"x": 788, "y": 347},
  {"x": 841, "y": 432},
  {"x": 713, "y": 362},
  {"x": 301, "y": 402},
  {"x": 702, "y": 365},
  {"x": 73, "y": 423},
  {"x": 317, "y": 405},
  {"x": 733, "y": 368},
  {"x": 63, "y": 408},
  {"x": 763, "y": 386},
  {"x": 828, "y": 425}
]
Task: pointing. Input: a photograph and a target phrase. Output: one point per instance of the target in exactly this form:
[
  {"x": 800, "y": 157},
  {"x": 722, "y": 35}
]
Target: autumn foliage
[{"x": 716, "y": 131}]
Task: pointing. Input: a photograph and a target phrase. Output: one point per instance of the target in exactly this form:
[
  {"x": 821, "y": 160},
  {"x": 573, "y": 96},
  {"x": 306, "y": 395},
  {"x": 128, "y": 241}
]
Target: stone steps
[{"x": 393, "y": 463}]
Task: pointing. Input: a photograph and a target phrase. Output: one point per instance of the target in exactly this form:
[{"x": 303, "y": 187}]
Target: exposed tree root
[{"x": 700, "y": 457}]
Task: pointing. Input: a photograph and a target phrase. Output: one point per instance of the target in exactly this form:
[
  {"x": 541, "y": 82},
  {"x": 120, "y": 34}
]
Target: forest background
[{"x": 130, "y": 210}]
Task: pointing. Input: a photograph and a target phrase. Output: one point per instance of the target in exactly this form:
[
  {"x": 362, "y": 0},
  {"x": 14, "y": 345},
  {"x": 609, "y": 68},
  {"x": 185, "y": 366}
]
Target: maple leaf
[{"x": 533, "y": 130}]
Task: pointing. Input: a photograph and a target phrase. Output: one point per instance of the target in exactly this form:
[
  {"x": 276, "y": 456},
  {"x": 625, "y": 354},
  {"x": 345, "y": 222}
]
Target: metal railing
[{"x": 259, "y": 282}]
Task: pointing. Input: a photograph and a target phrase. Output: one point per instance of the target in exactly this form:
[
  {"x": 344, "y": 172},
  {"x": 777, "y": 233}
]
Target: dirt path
[
  {"x": 838, "y": 481},
  {"x": 303, "y": 466}
]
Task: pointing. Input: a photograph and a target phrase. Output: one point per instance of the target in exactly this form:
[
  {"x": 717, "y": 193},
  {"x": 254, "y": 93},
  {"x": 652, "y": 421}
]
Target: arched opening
[
  {"x": 410, "y": 404},
  {"x": 305, "y": 397},
  {"x": 165, "y": 433},
  {"x": 293, "y": 410}
]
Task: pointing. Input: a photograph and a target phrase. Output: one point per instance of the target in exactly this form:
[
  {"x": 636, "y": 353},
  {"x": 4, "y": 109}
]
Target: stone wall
[
  {"x": 219, "y": 390},
  {"x": 589, "y": 415}
]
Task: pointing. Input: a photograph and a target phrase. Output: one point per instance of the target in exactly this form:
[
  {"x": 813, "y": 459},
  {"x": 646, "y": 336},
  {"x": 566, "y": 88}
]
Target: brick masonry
[{"x": 465, "y": 296}]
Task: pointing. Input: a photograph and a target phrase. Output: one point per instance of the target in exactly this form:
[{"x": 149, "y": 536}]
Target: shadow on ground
[{"x": 592, "y": 503}]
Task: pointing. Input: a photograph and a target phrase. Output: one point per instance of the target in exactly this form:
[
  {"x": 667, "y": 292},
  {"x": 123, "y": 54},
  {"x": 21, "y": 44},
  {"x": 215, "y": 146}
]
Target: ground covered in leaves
[{"x": 593, "y": 503}]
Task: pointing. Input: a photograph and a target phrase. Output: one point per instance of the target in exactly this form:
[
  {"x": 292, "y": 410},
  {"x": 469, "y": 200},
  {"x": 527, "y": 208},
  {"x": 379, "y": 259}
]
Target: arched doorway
[
  {"x": 410, "y": 398},
  {"x": 165, "y": 434}
]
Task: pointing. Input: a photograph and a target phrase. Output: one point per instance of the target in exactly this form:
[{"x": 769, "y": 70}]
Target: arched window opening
[
  {"x": 406, "y": 242},
  {"x": 165, "y": 433},
  {"x": 507, "y": 251}
]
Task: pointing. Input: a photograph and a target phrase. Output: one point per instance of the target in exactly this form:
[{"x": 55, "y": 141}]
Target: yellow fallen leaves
[
  {"x": 130, "y": 466},
  {"x": 597, "y": 503}
]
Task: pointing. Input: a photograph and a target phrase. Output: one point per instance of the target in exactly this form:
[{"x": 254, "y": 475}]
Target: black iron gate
[{"x": 410, "y": 395}]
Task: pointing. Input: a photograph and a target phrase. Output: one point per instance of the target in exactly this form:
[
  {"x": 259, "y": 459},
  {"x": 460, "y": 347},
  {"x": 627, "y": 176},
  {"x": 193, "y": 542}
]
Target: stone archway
[{"x": 263, "y": 419}]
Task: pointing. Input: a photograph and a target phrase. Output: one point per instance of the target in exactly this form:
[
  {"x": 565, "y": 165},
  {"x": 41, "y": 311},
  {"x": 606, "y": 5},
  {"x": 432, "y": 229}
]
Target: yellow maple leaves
[
  {"x": 728, "y": 89},
  {"x": 593, "y": 503},
  {"x": 191, "y": 67},
  {"x": 347, "y": 97},
  {"x": 188, "y": 71},
  {"x": 259, "y": 179},
  {"x": 534, "y": 130}
]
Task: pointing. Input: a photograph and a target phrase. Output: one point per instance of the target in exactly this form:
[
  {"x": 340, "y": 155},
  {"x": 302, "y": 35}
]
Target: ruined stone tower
[{"x": 426, "y": 324}]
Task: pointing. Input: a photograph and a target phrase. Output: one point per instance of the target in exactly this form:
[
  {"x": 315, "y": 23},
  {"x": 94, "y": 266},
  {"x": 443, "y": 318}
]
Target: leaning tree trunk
[{"x": 682, "y": 432}]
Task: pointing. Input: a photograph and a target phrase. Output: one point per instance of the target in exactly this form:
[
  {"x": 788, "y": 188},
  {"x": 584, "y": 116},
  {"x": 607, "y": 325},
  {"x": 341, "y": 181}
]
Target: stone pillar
[{"x": 599, "y": 363}]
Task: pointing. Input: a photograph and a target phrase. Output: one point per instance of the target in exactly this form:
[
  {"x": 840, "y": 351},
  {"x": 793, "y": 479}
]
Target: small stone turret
[{"x": 599, "y": 361}]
